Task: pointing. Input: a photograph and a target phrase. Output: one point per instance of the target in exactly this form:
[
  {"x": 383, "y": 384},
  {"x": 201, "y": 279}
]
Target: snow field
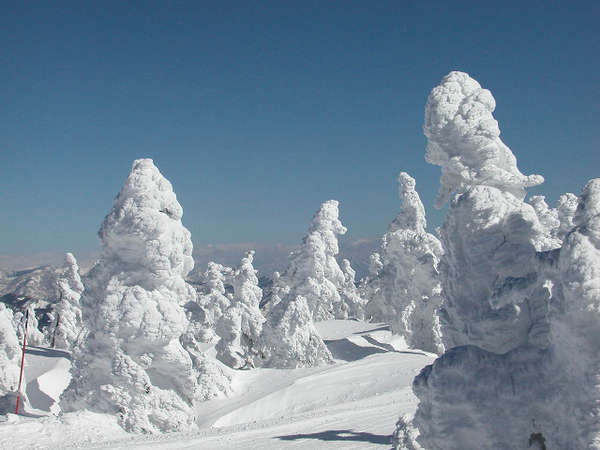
[{"x": 348, "y": 404}]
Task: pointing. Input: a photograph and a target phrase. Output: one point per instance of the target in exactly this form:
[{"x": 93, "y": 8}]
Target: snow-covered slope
[{"x": 350, "y": 404}]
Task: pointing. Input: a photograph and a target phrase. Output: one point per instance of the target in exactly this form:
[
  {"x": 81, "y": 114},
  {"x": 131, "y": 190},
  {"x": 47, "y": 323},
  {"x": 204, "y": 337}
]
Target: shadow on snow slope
[{"x": 340, "y": 435}]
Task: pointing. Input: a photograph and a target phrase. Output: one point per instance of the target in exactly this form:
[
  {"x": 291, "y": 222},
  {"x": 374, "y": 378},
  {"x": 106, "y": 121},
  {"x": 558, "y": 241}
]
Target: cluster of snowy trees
[
  {"x": 520, "y": 285},
  {"x": 508, "y": 294}
]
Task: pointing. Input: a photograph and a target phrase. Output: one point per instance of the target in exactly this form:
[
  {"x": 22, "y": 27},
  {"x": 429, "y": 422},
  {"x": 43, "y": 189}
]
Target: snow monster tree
[
  {"x": 314, "y": 273},
  {"x": 496, "y": 385},
  {"x": 241, "y": 325},
  {"x": 405, "y": 286},
  {"x": 131, "y": 362},
  {"x": 66, "y": 322}
]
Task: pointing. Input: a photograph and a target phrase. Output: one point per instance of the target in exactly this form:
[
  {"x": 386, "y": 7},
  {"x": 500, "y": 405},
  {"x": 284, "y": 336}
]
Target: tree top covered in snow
[
  {"x": 464, "y": 139},
  {"x": 412, "y": 215},
  {"x": 143, "y": 232},
  {"x": 327, "y": 224}
]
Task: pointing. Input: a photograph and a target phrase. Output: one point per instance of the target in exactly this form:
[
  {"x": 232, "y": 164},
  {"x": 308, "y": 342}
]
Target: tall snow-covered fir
[
  {"x": 241, "y": 324},
  {"x": 404, "y": 286},
  {"x": 10, "y": 352},
  {"x": 499, "y": 291},
  {"x": 131, "y": 362},
  {"x": 67, "y": 323},
  {"x": 314, "y": 272}
]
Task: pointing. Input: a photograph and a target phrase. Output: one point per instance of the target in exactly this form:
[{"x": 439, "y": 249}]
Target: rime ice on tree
[
  {"x": 314, "y": 273},
  {"x": 497, "y": 296},
  {"x": 290, "y": 339},
  {"x": 67, "y": 323},
  {"x": 210, "y": 305},
  {"x": 576, "y": 334},
  {"x": 241, "y": 325},
  {"x": 131, "y": 362},
  {"x": 10, "y": 357},
  {"x": 404, "y": 285}
]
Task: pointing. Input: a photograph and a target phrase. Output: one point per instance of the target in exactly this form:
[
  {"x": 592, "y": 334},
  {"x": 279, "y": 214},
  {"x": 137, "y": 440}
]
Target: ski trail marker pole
[{"x": 22, "y": 361}]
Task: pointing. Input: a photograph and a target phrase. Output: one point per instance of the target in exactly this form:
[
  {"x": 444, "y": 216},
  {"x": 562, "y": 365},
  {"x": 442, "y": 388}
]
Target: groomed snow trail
[{"x": 350, "y": 404}]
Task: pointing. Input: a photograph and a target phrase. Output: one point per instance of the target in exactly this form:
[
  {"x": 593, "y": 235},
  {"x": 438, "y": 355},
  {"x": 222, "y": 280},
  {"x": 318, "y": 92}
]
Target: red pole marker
[{"x": 22, "y": 361}]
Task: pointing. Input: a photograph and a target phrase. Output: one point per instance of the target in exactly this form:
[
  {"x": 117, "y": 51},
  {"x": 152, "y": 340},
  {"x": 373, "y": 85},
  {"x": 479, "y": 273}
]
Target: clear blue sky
[{"x": 259, "y": 111}]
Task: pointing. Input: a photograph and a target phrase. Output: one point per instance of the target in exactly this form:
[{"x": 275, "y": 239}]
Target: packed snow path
[{"x": 351, "y": 404}]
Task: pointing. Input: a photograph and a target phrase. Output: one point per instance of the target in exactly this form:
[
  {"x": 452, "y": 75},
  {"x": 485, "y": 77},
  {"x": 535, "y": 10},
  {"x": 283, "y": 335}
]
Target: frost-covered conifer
[
  {"x": 66, "y": 322},
  {"x": 290, "y": 339},
  {"x": 240, "y": 326},
  {"x": 131, "y": 362},
  {"x": 313, "y": 272},
  {"x": 576, "y": 333},
  {"x": 496, "y": 311},
  {"x": 34, "y": 334},
  {"x": 10, "y": 352},
  {"x": 350, "y": 293},
  {"x": 548, "y": 218},
  {"x": 567, "y": 205},
  {"x": 210, "y": 305},
  {"x": 405, "y": 286}
]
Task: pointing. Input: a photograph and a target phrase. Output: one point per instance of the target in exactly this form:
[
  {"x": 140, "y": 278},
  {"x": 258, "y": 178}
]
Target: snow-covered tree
[
  {"x": 548, "y": 218},
  {"x": 290, "y": 339},
  {"x": 404, "y": 286},
  {"x": 313, "y": 271},
  {"x": 10, "y": 353},
  {"x": 496, "y": 294},
  {"x": 66, "y": 322},
  {"x": 576, "y": 332},
  {"x": 212, "y": 301},
  {"x": 567, "y": 205},
  {"x": 241, "y": 325},
  {"x": 350, "y": 293},
  {"x": 131, "y": 362},
  {"x": 34, "y": 334}
]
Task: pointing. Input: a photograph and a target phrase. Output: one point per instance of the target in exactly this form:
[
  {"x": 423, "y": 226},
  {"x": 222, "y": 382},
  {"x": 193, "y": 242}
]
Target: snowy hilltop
[{"x": 131, "y": 361}]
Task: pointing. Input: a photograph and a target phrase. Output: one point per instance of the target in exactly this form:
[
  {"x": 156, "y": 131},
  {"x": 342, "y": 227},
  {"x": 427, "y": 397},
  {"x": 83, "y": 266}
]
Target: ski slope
[{"x": 353, "y": 403}]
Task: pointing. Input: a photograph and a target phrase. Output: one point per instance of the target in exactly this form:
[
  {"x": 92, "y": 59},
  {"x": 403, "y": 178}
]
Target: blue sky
[{"x": 258, "y": 112}]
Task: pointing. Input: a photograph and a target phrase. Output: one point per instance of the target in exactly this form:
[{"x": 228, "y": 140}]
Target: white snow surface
[{"x": 349, "y": 404}]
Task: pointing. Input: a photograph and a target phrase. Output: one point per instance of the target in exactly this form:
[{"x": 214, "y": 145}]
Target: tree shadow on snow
[
  {"x": 347, "y": 351},
  {"x": 381, "y": 328},
  {"x": 49, "y": 352},
  {"x": 389, "y": 347},
  {"x": 340, "y": 435}
]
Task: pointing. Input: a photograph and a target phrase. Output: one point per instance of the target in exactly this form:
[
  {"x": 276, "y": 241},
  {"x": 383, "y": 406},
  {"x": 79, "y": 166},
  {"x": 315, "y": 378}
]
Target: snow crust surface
[{"x": 346, "y": 405}]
